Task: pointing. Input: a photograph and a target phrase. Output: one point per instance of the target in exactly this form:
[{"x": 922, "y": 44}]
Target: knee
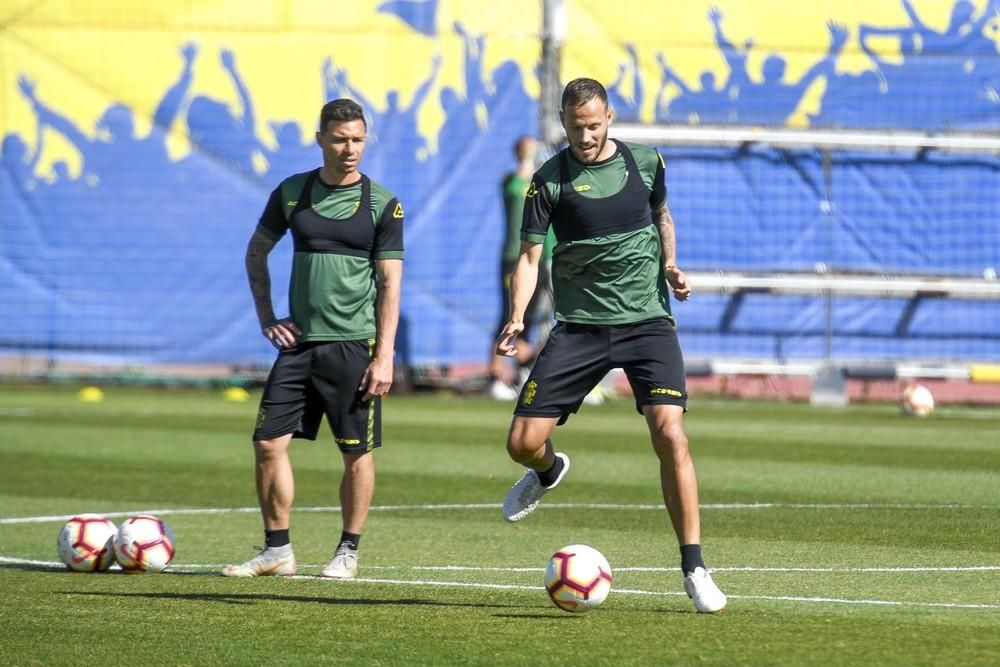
[
  {"x": 522, "y": 446},
  {"x": 356, "y": 464},
  {"x": 671, "y": 443},
  {"x": 267, "y": 451},
  {"x": 516, "y": 448}
]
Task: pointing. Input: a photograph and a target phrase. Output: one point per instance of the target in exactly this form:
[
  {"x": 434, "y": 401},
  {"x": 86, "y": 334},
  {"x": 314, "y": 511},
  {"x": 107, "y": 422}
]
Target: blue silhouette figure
[
  {"x": 627, "y": 108},
  {"x": 509, "y": 107},
  {"x": 421, "y": 15},
  {"x": 462, "y": 125},
  {"x": 772, "y": 101},
  {"x": 115, "y": 153},
  {"x": 964, "y": 34},
  {"x": 855, "y": 100},
  {"x": 292, "y": 154},
  {"x": 396, "y": 127},
  {"x": 474, "y": 49},
  {"x": 220, "y": 132},
  {"x": 943, "y": 79},
  {"x": 335, "y": 86},
  {"x": 72, "y": 207},
  {"x": 706, "y": 106},
  {"x": 18, "y": 161}
]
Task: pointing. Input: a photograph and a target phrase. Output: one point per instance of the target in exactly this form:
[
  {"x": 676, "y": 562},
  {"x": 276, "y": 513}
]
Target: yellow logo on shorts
[
  {"x": 530, "y": 390},
  {"x": 347, "y": 441},
  {"x": 581, "y": 188},
  {"x": 661, "y": 391}
]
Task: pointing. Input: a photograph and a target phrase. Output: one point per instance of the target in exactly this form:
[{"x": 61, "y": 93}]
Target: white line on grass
[
  {"x": 472, "y": 568},
  {"x": 520, "y": 570},
  {"x": 194, "y": 568},
  {"x": 492, "y": 506}
]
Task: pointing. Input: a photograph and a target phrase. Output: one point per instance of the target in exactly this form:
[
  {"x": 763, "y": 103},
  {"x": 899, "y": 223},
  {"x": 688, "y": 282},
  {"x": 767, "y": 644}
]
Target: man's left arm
[
  {"x": 675, "y": 277},
  {"x": 665, "y": 226},
  {"x": 389, "y": 269},
  {"x": 378, "y": 377}
]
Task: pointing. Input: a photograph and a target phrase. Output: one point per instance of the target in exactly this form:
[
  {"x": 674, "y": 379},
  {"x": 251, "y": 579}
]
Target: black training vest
[
  {"x": 353, "y": 236},
  {"x": 576, "y": 217}
]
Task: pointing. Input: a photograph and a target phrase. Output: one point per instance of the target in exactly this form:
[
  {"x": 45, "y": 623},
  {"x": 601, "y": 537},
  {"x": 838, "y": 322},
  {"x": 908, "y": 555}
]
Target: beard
[{"x": 596, "y": 150}]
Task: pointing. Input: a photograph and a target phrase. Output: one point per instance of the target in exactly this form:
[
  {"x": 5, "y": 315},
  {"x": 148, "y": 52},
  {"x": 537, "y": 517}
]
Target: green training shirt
[
  {"x": 332, "y": 290},
  {"x": 601, "y": 275}
]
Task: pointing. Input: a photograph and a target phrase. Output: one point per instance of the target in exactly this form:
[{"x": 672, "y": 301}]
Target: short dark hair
[
  {"x": 341, "y": 111},
  {"x": 580, "y": 91}
]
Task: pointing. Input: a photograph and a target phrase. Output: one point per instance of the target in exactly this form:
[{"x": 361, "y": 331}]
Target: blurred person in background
[{"x": 513, "y": 188}]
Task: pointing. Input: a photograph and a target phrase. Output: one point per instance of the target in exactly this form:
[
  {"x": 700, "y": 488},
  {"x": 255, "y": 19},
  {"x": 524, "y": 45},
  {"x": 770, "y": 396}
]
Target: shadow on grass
[
  {"x": 36, "y": 567},
  {"x": 252, "y": 598}
]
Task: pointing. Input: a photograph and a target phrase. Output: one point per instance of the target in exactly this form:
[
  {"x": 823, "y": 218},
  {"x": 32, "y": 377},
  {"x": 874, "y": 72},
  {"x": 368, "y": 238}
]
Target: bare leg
[
  {"x": 528, "y": 442},
  {"x": 357, "y": 487},
  {"x": 275, "y": 482},
  {"x": 677, "y": 474}
]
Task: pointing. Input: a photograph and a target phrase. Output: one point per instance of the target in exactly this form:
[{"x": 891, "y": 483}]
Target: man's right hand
[
  {"x": 507, "y": 340},
  {"x": 283, "y": 334}
]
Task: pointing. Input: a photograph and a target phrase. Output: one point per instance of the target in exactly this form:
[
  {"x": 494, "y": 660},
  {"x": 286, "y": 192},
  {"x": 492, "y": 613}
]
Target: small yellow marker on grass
[
  {"x": 90, "y": 395},
  {"x": 235, "y": 394}
]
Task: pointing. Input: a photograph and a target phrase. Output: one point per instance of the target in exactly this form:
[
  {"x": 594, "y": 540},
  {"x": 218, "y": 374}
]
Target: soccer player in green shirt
[
  {"x": 335, "y": 350},
  {"x": 613, "y": 268}
]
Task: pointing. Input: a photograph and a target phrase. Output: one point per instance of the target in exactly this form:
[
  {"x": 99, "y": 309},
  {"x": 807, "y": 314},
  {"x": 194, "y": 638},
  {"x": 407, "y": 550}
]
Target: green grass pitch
[{"x": 843, "y": 537}]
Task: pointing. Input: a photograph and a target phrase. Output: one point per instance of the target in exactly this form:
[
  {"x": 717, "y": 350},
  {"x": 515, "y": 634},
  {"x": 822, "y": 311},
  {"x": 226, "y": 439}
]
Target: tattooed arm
[
  {"x": 675, "y": 277},
  {"x": 282, "y": 333}
]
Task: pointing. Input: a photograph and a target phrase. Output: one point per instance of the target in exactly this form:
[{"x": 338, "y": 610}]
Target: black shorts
[
  {"x": 316, "y": 379},
  {"x": 577, "y": 356}
]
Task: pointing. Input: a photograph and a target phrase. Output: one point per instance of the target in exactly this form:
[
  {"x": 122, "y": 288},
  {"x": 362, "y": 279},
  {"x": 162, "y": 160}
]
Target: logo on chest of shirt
[
  {"x": 398, "y": 211},
  {"x": 532, "y": 190}
]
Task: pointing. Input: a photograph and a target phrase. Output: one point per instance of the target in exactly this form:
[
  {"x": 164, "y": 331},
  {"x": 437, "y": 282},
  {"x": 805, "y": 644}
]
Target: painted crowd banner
[{"x": 139, "y": 146}]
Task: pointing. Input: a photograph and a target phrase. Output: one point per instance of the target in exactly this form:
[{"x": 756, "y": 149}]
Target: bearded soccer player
[
  {"x": 335, "y": 350},
  {"x": 613, "y": 268}
]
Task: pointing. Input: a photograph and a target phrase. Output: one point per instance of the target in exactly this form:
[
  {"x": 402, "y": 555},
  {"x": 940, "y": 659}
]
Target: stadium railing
[{"x": 826, "y": 281}]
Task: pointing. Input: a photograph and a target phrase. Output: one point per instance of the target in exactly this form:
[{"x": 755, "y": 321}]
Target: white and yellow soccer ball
[
  {"x": 86, "y": 543},
  {"x": 578, "y": 578},
  {"x": 144, "y": 543},
  {"x": 917, "y": 401}
]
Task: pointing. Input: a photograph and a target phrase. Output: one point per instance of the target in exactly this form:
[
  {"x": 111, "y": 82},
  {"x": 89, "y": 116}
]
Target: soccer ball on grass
[
  {"x": 144, "y": 543},
  {"x": 86, "y": 543},
  {"x": 917, "y": 401},
  {"x": 578, "y": 578}
]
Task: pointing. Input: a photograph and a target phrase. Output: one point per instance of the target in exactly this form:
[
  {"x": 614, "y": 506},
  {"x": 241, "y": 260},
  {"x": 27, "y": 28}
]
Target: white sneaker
[
  {"x": 343, "y": 565},
  {"x": 707, "y": 597},
  {"x": 501, "y": 391},
  {"x": 523, "y": 497},
  {"x": 272, "y": 561},
  {"x": 595, "y": 397}
]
